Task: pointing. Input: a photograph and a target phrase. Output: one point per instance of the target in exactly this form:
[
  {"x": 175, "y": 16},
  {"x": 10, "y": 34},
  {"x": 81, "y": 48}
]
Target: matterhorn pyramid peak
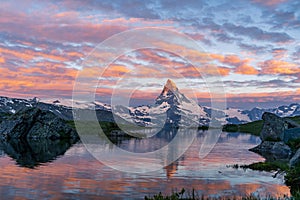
[
  {"x": 170, "y": 93},
  {"x": 169, "y": 86}
]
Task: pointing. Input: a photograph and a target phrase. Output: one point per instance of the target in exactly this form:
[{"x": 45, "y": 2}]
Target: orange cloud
[
  {"x": 279, "y": 67},
  {"x": 232, "y": 60},
  {"x": 23, "y": 56},
  {"x": 75, "y": 54},
  {"x": 224, "y": 71},
  {"x": 246, "y": 69},
  {"x": 269, "y": 2},
  {"x": 42, "y": 80},
  {"x": 2, "y": 60},
  {"x": 270, "y": 95},
  {"x": 217, "y": 57},
  {"x": 26, "y": 54},
  {"x": 70, "y": 14},
  {"x": 241, "y": 65},
  {"x": 279, "y": 53},
  {"x": 115, "y": 70},
  {"x": 211, "y": 69}
]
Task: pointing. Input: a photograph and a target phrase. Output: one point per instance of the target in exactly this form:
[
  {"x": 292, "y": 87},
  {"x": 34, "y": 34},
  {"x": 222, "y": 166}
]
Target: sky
[{"x": 255, "y": 45}]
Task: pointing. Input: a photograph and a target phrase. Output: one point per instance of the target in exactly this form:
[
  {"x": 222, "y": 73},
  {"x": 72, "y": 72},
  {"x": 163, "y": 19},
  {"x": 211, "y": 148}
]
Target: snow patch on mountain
[{"x": 78, "y": 104}]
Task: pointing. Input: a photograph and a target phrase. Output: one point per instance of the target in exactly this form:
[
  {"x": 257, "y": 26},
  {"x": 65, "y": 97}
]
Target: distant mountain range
[{"x": 170, "y": 107}]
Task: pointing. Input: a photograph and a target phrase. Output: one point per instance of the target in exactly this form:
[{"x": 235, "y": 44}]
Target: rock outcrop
[
  {"x": 274, "y": 127},
  {"x": 276, "y": 134},
  {"x": 295, "y": 160},
  {"x": 35, "y": 123},
  {"x": 291, "y": 134}
]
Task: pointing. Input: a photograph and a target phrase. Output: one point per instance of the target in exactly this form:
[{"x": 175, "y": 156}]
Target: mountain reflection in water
[
  {"x": 31, "y": 153},
  {"x": 70, "y": 172}
]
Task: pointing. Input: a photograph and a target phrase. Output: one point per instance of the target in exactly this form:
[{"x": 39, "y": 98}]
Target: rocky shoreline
[{"x": 277, "y": 136}]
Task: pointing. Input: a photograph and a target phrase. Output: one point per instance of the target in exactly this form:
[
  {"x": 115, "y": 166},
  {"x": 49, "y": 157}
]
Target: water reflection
[
  {"x": 77, "y": 175},
  {"x": 143, "y": 155},
  {"x": 32, "y": 153},
  {"x": 171, "y": 169}
]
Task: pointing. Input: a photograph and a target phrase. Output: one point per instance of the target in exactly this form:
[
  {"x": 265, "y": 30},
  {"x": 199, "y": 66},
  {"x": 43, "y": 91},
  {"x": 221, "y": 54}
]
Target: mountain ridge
[
  {"x": 171, "y": 106},
  {"x": 233, "y": 115}
]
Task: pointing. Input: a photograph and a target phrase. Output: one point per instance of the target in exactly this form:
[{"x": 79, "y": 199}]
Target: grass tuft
[{"x": 182, "y": 195}]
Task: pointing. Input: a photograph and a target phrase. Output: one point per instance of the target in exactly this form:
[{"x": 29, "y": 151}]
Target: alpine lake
[{"x": 46, "y": 169}]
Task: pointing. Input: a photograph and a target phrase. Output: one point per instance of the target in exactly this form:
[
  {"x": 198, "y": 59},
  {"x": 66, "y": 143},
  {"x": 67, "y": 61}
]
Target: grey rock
[
  {"x": 36, "y": 123},
  {"x": 273, "y": 150},
  {"x": 274, "y": 127},
  {"x": 295, "y": 160},
  {"x": 291, "y": 134}
]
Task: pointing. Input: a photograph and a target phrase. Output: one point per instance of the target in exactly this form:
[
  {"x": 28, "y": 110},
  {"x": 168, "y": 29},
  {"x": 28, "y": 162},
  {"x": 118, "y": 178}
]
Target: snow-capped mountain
[
  {"x": 171, "y": 108},
  {"x": 13, "y": 105},
  {"x": 174, "y": 103},
  {"x": 237, "y": 116},
  {"x": 178, "y": 108},
  {"x": 79, "y": 104},
  {"x": 61, "y": 108},
  {"x": 287, "y": 111}
]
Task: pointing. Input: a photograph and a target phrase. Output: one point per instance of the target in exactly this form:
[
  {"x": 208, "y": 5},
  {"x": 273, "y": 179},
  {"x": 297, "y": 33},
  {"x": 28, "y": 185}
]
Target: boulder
[
  {"x": 36, "y": 123},
  {"x": 295, "y": 160},
  {"x": 274, "y": 127},
  {"x": 291, "y": 134},
  {"x": 273, "y": 150}
]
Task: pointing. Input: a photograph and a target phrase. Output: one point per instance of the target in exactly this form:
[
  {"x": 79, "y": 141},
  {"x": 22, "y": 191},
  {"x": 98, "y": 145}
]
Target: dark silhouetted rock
[
  {"x": 273, "y": 150},
  {"x": 56, "y": 101},
  {"x": 274, "y": 127},
  {"x": 36, "y": 123},
  {"x": 295, "y": 160}
]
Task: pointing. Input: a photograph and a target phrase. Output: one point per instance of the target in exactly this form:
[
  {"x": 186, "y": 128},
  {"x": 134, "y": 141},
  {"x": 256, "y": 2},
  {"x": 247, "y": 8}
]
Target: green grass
[
  {"x": 294, "y": 144},
  {"x": 267, "y": 166},
  {"x": 292, "y": 175},
  {"x": 292, "y": 179},
  {"x": 108, "y": 127},
  {"x": 253, "y": 128},
  {"x": 295, "y": 119},
  {"x": 231, "y": 128},
  {"x": 183, "y": 195}
]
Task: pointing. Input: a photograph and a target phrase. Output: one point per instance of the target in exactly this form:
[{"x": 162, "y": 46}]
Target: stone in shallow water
[{"x": 273, "y": 150}]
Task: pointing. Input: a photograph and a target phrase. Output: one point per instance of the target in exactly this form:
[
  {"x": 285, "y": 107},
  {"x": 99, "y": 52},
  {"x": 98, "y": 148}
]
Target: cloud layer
[{"x": 254, "y": 44}]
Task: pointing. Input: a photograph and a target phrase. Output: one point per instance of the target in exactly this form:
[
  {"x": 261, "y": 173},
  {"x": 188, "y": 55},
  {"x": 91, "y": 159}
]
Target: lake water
[{"x": 60, "y": 170}]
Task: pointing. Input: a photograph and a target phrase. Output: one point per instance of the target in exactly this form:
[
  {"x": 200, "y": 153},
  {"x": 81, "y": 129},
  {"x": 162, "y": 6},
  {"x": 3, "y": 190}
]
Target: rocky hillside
[{"x": 34, "y": 123}]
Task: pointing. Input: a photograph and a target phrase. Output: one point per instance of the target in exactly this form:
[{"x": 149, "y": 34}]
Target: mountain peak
[{"x": 169, "y": 86}]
